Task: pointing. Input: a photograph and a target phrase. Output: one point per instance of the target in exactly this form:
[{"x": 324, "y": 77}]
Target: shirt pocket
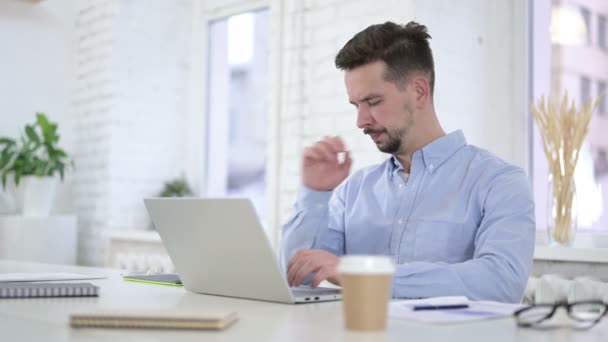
[{"x": 439, "y": 241}]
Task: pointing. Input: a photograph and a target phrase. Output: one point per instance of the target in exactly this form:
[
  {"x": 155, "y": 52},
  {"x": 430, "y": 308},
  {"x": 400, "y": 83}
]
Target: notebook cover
[
  {"x": 154, "y": 319},
  {"x": 39, "y": 290},
  {"x": 170, "y": 279}
]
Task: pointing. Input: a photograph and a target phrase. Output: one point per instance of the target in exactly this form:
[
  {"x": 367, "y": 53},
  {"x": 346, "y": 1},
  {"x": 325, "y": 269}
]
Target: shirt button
[
  {"x": 401, "y": 185},
  {"x": 400, "y": 221},
  {"x": 431, "y": 167}
]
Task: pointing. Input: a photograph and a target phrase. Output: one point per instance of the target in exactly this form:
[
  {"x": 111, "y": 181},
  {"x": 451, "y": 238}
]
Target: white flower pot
[
  {"x": 8, "y": 204},
  {"x": 35, "y": 195}
]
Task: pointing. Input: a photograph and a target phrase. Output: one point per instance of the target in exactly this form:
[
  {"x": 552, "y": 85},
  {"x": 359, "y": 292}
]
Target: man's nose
[{"x": 364, "y": 119}]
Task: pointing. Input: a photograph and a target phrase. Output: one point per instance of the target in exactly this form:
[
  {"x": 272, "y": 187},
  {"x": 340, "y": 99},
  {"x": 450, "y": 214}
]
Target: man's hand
[
  {"x": 321, "y": 169},
  {"x": 308, "y": 261}
]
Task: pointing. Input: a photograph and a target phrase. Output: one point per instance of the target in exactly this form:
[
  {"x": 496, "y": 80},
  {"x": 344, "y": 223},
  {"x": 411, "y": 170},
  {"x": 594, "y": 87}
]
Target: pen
[{"x": 440, "y": 307}]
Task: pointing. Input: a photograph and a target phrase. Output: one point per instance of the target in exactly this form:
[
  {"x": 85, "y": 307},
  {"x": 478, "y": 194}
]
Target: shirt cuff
[{"x": 313, "y": 199}]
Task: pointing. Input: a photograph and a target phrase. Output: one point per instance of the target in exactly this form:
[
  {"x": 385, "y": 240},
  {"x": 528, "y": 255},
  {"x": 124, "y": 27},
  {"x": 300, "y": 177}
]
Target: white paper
[
  {"x": 476, "y": 311},
  {"x": 451, "y": 300},
  {"x": 26, "y": 277}
]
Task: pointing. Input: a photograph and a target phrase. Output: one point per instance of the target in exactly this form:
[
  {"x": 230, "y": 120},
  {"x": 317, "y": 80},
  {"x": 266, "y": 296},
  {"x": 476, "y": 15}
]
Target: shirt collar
[{"x": 437, "y": 152}]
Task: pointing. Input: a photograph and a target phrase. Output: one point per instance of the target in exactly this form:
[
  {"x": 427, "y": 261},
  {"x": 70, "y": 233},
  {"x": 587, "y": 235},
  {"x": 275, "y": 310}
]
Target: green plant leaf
[
  {"x": 49, "y": 130},
  {"x": 58, "y": 154},
  {"x": 7, "y": 141},
  {"x": 42, "y": 120},
  {"x": 17, "y": 177},
  {"x": 4, "y": 160},
  {"x": 31, "y": 134},
  {"x": 4, "y": 179},
  {"x": 61, "y": 169},
  {"x": 8, "y": 150},
  {"x": 51, "y": 136},
  {"x": 53, "y": 133},
  {"x": 178, "y": 187},
  {"x": 34, "y": 152}
]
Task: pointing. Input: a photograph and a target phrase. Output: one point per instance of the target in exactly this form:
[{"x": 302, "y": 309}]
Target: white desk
[{"x": 46, "y": 319}]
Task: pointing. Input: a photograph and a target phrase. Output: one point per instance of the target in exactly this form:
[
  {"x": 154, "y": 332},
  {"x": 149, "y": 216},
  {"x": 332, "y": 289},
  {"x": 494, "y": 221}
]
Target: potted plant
[
  {"x": 33, "y": 162},
  {"x": 177, "y": 187}
]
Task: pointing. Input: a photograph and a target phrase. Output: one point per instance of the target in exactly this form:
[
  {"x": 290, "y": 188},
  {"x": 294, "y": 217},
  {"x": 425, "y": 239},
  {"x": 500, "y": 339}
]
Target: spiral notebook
[
  {"x": 154, "y": 319},
  {"x": 36, "y": 290}
]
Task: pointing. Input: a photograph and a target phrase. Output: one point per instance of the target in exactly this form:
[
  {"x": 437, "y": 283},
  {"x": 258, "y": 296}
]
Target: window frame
[
  {"x": 602, "y": 39},
  {"x": 196, "y": 124}
]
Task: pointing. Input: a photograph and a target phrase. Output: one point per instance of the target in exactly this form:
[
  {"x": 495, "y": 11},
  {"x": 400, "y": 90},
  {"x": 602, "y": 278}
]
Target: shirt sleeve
[
  {"x": 504, "y": 248},
  {"x": 300, "y": 231}
]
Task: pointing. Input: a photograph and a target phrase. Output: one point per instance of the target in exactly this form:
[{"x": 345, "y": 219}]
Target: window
[
  {"x": 237, "y": 107},
  {"x": 585, "y": 90},
  {"x": 586, "y": 13},
  {"x": 601, "y": 32},
  {"x": 572, "y": 65}
]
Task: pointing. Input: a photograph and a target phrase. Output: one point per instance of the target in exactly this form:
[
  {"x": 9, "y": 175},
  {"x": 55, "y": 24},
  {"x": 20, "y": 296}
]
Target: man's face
[{"x": 384, "y": 110}]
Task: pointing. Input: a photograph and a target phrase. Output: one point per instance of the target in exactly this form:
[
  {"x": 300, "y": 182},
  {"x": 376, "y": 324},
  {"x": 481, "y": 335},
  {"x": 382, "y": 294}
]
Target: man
[{"x": 456, "y": 219}]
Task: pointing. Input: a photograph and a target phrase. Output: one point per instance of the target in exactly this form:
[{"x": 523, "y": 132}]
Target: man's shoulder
[
  {"x": 491, "y": 168},
  {"x": 489, "y": 161}
]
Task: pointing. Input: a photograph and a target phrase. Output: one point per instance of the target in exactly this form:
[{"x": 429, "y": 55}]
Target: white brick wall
[
  {"x": 129, "y": 101},
  {"x": 92, "y": 101}
]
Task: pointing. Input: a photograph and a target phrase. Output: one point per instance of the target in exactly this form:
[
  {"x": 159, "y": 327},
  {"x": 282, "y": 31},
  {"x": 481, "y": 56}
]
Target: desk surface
[{"x": 46, "y": 319}]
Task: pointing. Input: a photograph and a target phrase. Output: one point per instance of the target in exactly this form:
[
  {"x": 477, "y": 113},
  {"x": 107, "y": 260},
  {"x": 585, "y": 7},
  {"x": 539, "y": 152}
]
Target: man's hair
[{"x": 404, "y": 48}]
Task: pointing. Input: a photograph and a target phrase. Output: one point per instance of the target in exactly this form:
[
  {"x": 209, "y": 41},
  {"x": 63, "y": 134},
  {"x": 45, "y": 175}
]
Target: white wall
[
  {"x": 130, "y": 101},
  {"x": 36, "y": 70},
  {"x": 481, "y": 58}
]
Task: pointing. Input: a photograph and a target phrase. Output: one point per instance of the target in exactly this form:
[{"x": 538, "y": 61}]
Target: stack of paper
[
  {"x": 23, "y": 277},
  {"x": 476, "y": 310}
]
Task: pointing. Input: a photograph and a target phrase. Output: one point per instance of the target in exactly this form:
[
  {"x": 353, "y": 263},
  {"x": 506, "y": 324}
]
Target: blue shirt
[{"x": 463, "y": 224}]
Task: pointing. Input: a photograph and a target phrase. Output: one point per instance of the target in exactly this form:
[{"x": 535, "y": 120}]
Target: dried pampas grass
[{"x": 563, "y": 129}]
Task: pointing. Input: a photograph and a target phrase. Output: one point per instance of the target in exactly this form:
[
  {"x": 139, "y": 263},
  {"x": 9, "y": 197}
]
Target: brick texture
[{"x": 129, "y": 101}]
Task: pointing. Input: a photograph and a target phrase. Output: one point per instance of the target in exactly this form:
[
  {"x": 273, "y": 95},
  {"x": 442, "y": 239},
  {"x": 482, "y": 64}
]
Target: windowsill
[
  {"x": 571, "y": 254},
  {"x": 589, "y": 248},
  {"x": 134, "y": 235}
]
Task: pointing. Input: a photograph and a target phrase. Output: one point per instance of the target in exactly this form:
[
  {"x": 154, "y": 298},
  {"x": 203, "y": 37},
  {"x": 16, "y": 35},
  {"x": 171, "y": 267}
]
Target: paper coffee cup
[{"x": 366, "y": 288}]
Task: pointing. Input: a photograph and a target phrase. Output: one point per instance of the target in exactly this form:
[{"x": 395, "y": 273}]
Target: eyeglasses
[{"x": 585, "y": 313}]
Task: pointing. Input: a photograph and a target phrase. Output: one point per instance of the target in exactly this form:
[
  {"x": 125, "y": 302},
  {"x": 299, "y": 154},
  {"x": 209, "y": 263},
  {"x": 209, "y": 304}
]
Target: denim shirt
[{"x": 462, "y": 223}]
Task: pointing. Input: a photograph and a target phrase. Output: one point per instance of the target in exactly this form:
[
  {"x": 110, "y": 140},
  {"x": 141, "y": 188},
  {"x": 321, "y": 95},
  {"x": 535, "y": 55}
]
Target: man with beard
[{"x": 456, "y": 219}]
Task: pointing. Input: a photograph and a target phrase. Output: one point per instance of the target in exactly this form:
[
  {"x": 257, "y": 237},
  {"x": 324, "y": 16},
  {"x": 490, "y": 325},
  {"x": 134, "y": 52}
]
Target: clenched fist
[{"x": 322, "y": 170}]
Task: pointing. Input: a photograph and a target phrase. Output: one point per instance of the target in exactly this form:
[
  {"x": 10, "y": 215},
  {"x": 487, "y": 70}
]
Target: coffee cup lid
[{"x": 366, "y": 264}]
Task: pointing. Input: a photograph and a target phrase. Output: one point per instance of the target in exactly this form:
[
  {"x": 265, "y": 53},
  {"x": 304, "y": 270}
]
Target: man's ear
[{"x": 422, "y": 90}]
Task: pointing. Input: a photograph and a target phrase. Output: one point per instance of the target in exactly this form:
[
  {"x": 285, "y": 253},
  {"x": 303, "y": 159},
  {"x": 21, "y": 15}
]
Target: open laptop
[{"x": 219, "y": 247}]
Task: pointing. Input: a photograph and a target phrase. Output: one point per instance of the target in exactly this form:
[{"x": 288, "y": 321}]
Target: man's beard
[
  {"x": 392, "y": 146},
  {"x": 395, "y": 137}
]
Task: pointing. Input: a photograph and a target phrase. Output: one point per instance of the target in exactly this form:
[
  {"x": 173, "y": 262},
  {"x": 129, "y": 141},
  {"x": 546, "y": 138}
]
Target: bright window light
[
  {"x": 240, "y": 39},
  {"x": 567, "y": 26}
]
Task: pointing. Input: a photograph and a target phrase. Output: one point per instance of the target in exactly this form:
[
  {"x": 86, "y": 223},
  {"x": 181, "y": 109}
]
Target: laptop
[{"x": 219, "y": 247}]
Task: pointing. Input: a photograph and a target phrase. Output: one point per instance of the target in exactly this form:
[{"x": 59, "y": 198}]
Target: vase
[
  {"x": 562, "y": 210},
  {"x": 35, "y": 195}
]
